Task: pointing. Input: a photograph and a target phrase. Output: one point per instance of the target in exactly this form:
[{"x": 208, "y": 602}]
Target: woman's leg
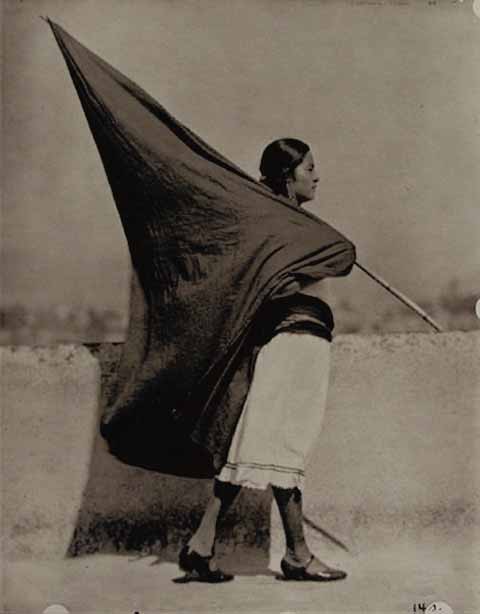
[
  {"x": 224, "y": 494},
  {"x": 298, "y": 554},
  {"x": 289, "y": 502}
]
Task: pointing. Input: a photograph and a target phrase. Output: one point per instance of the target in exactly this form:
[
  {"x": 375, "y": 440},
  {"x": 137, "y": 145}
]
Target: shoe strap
[
  {"x": 209, "y": 557},
  {"x": 302, "y": 565},
  {"x": 309, "y": 562}
]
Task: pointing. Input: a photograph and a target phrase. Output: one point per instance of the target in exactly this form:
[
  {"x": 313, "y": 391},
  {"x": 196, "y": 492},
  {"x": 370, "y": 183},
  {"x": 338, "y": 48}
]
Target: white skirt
[{"x": 282, "y": 415}]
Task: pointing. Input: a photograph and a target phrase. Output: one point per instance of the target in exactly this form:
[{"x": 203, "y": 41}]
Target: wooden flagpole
[{"x": 404, "y": 299}]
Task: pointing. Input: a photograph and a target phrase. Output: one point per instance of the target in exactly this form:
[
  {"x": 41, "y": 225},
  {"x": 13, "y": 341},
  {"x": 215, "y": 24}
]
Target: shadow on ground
[{"x": 130, "y": 510}]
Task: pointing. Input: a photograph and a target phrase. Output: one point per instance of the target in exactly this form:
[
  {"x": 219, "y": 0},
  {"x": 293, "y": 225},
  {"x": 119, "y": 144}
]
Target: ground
[{"x": 392, "y": 578}]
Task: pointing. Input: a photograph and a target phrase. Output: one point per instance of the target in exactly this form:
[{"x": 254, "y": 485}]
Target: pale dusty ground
[{"x": 386, "y": 579}]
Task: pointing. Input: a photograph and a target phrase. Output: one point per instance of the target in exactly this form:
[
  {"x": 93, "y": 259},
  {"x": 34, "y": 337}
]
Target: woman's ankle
[
  {"x": 201, "y": 548},
  {"x": 300, "y": 555}
]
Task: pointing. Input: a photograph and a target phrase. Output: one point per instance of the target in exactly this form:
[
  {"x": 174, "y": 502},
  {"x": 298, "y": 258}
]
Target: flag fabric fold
[{"x": 213, "y": 253}]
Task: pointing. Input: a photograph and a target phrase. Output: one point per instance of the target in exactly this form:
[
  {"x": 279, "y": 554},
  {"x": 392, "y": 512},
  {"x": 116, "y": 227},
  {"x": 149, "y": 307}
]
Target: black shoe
[
  {"x": 294, "y": 572},
  {"x": 199, "y": 567}
]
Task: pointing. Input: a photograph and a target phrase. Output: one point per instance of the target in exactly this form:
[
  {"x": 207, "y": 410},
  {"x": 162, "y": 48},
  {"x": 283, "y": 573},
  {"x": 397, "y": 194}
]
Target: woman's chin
[{"x": 305, "y": 199}]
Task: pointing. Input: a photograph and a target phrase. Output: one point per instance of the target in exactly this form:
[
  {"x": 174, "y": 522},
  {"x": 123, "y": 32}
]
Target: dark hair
[{"x": 279, "y": 160}]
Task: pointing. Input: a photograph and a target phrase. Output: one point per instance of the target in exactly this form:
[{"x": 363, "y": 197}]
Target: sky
[{"x": 387, "y": 93}]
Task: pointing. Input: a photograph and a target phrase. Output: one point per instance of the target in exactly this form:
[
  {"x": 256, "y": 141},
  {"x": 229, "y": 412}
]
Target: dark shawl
[{"x": 214, "y": 254}]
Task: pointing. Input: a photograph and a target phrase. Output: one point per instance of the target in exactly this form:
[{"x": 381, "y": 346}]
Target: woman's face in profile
[{"x": 304, "y": 180}]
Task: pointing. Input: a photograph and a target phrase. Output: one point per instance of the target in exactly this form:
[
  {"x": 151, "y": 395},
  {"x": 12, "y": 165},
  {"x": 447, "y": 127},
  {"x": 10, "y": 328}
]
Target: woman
[{"x": 280, "y": 419}]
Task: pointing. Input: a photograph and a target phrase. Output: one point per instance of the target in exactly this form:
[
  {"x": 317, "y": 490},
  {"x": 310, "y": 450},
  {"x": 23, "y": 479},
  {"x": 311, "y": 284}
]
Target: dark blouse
[{"x": 297, "y": 313}]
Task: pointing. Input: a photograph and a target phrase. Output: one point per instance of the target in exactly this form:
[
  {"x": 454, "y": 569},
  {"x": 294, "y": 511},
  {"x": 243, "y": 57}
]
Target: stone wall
[{"x": 399, "y": 452}]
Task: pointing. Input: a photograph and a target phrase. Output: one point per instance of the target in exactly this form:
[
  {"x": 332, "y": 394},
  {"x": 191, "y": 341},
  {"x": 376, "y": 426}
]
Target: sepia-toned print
[{"x": 239, "y": 330}]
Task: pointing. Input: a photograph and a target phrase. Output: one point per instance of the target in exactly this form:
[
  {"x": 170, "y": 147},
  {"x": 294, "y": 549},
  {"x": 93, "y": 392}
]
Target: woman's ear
[{"x": 290, "y": 190}]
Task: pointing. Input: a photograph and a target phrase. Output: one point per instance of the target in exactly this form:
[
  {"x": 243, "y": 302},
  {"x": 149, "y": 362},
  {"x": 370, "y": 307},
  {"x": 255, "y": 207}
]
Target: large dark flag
[{"x": 213, "y": 253}]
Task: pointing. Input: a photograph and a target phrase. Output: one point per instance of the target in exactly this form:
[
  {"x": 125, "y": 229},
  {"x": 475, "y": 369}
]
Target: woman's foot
[
  {"x": 201, "y": 568},
  {"x": 310, "y": 570}
]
